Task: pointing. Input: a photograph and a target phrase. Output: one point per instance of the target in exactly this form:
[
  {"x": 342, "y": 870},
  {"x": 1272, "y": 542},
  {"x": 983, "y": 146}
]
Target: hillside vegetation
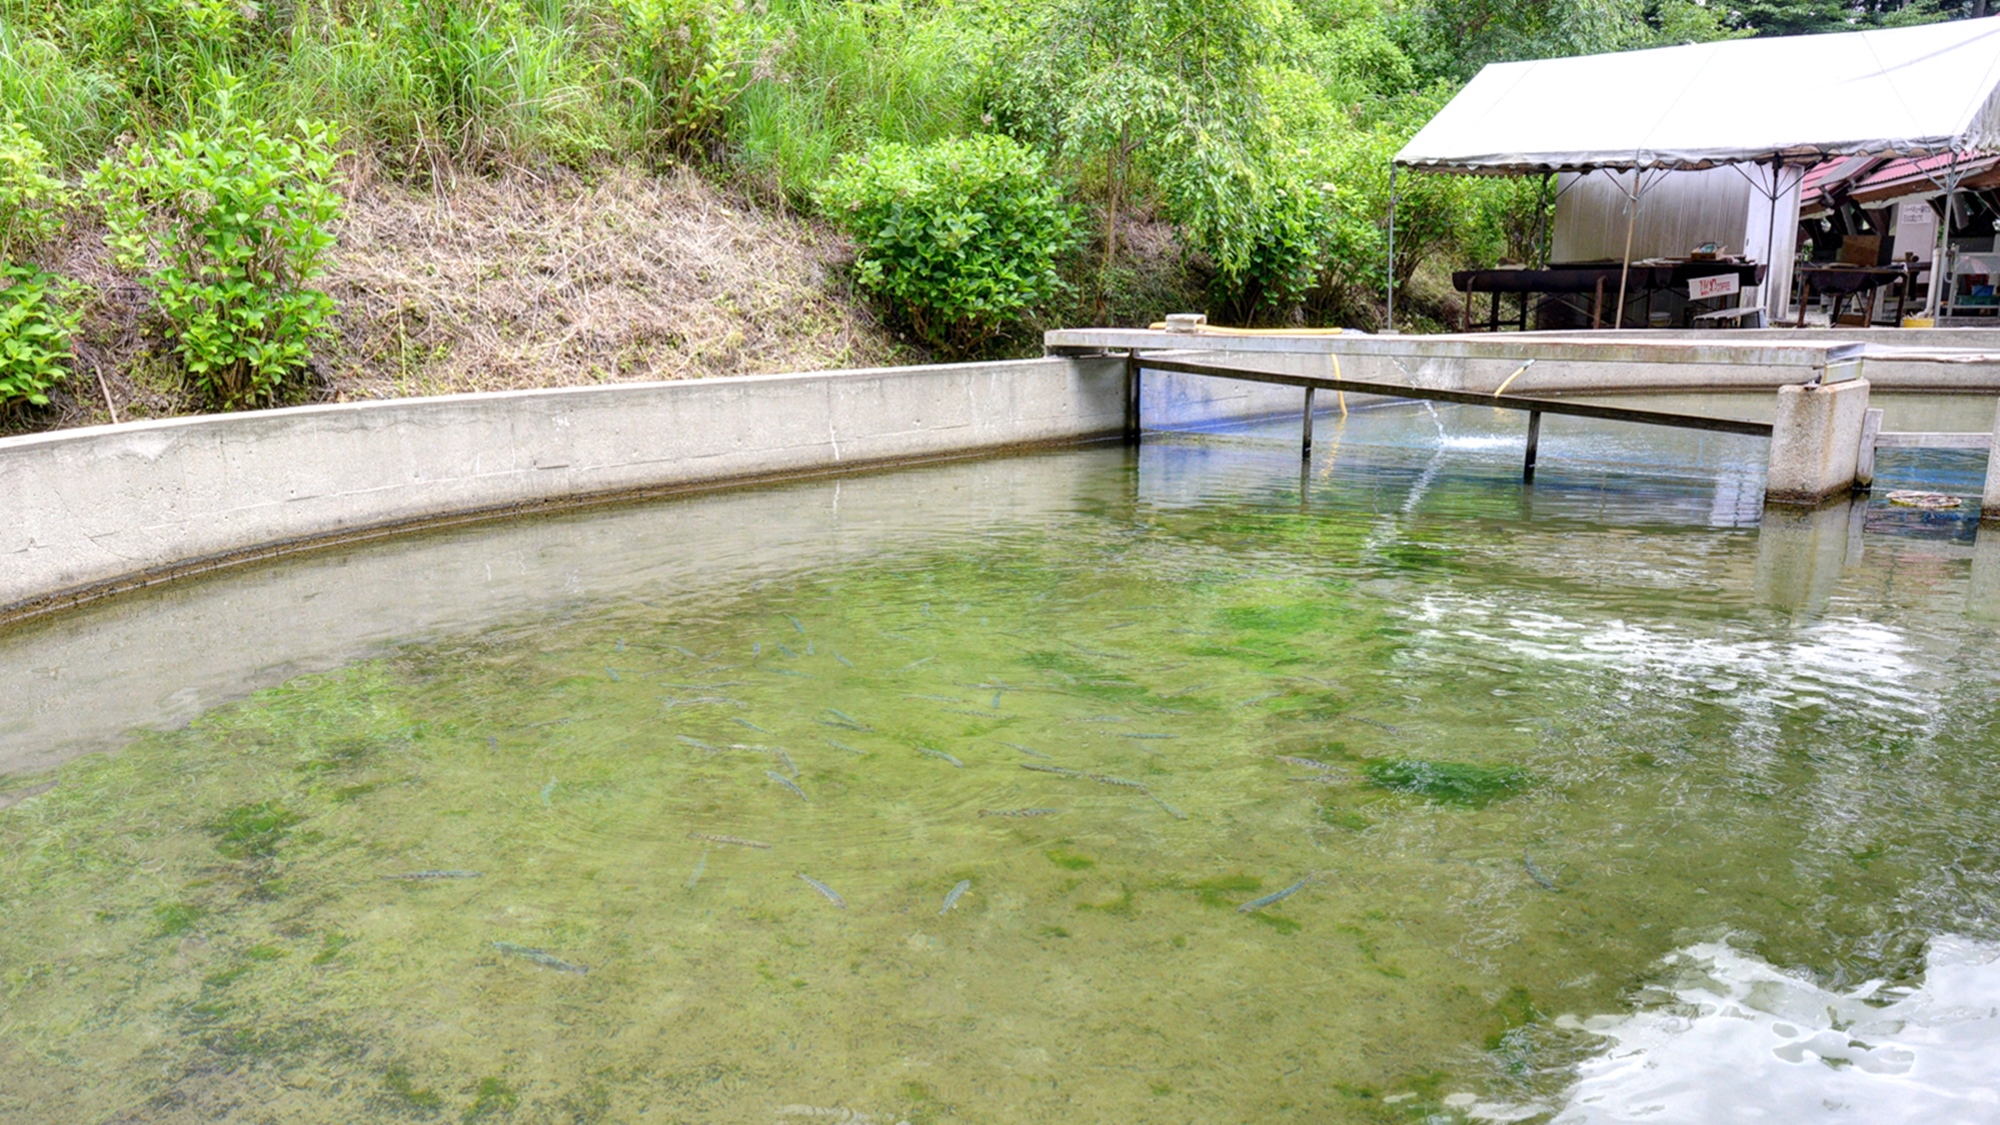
[{"x": 221, "y": 203}]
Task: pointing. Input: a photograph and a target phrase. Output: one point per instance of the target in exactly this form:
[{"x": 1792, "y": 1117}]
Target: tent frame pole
[
  {"x": 1774, "y": 303},
  {"x": 1392, "y": 247},
  {"x": 1625, "y": 269},
  {"x": 1933, "y": 299}
]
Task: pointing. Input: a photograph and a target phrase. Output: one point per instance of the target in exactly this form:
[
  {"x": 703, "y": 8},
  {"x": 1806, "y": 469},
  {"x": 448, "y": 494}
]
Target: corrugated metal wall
[{"x": 1677, "y": 212}]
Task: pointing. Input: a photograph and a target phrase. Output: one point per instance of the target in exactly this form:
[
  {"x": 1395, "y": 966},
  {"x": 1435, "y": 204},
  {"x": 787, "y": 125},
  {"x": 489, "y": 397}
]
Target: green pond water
[{"x": 1507, "y": 749}]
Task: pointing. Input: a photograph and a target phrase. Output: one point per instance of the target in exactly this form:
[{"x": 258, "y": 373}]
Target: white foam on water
[{"x": 1739, "y": 1041}]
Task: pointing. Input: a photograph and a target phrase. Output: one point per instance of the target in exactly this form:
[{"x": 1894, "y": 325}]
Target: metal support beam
[
  {"x": 1132, "y": 384},
  {"x": 1534, "y": 441},
  {"x": 1306, "y": 445},
  {"x": 1470, "y": 398}
]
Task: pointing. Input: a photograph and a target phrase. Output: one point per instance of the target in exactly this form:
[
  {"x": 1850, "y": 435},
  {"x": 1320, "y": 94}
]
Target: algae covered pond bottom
[{"x": 1097, "y": 786}]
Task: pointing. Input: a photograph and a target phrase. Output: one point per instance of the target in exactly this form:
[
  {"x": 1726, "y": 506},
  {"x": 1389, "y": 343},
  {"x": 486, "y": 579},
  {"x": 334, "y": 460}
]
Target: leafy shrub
[
  {"x": 960, "y": 238},
  {"x": 228, "y": 222},
  {"x": 32, "y": 201},
  {"x": 35, "y": 332},
  {"x": 694, "y": 58},
  {"x": 35, "y": 327}
]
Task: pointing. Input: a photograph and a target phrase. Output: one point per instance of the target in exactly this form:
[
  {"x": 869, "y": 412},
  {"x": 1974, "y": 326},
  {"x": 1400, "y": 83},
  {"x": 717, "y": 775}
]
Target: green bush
[
  {"x": 694, "y": 58},
  {"x": 35, "y": 331},
  {"x": 32, "y": 200},
  {"x": 228, "y": 222},
  {"x": 960, "y": 238},
  {"x": 35, "y": 326}
]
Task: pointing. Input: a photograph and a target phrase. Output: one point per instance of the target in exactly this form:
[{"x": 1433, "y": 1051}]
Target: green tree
[{"x": 1164, "y": 92}]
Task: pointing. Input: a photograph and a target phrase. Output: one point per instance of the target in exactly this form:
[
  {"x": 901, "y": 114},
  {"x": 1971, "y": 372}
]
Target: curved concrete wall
[{"x": 107, "y": 507}]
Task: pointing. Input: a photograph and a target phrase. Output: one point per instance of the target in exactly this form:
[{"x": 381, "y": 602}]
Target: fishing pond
[{"x": 1180, "y": 783}]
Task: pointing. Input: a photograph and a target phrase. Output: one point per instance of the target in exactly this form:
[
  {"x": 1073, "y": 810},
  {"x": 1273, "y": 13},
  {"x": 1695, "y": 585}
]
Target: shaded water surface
[{"x": 964, "y": 813}]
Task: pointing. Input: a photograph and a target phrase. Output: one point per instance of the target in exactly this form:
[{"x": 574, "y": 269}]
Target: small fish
[
  {"x": 916, "y": 663},
  {"x": 940, "y": 754},
  {"x": 1535, "y": 873},
  {"x": 1018, "y": 812},
  {"x": 1377, "y": 723},
  {"x": 698, "y": 744},
  {"x": 683, "y": 652},
  {"x": 9, "y": 800},
  {"x": 1274, "y": 896},
  {"x": 787, "y": 783},
  {"x": 843, "y": 660},
  {"x": 669, "y": 702},
  {"x": 541, "y": 957},
  {"x": 791, "y": 672},
  {"x": 795, "y": 623},
  {"x": 700, "y": 866},
  {"x": 736, "y": 840},
  {"x": 620, "y": 646},
  {"x": 849, "y": 720},
  {"x": 613, "y": 673},
  {"x": 787, "y": 650},
  {"x": 1167, "y": 808},
  {"x": 996, "y": 699},
  {"x": 1135, "y": 734},
  {"x": 1127, "y": 783},
  {"x": 1032, "y": 753},
  {"x": 832, "y": 895},
  {"x": 1259, "y": 698},
  {"x": 1101, "y": 719},
  {"x": 546, "y": 790},
  {"x": 932, "y": 698},
  {"x": 791, "y": 767},
  {"x": 1058, "y": 770},
  {"x": 748, "y": 723},
  {"x": 844, "y": 746},
  {"x": 1306, "y": 763},
  {"x": 966, "y": 711},
  {"x": 952, "y": 897},
  {"x": 435, "y": 875}
]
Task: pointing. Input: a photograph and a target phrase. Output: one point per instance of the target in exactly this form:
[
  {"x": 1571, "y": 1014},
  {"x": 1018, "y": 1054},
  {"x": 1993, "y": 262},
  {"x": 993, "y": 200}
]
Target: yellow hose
[{"x": 1509, "y": 380}]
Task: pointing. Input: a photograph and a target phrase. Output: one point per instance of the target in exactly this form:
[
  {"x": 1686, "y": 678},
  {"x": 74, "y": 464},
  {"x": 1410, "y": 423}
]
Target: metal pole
[
  {"x": 1933, "y": 302},
  {"x": 1534, "y": 440},
  {"x": 1392, "y": 247},
  {"x": 1539, "y": 249},
  {"x": 1132, "y": 398},
  {"x": 1773, "y": 302},
  {"x": 1306, "y": 445},
  {"x": 1618, "y": 317}
]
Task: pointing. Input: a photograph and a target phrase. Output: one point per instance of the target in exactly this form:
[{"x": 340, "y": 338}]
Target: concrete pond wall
[{"x": 110, "y": 507}]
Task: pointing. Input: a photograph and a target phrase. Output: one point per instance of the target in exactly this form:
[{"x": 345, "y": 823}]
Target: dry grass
[
  {"x": 512, "y": 283},
  {"x": 517, "y": 282}
]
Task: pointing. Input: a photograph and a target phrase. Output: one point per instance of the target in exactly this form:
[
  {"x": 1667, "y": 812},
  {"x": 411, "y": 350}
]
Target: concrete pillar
[
  {"x": 1816, "y": 443},
  {"x": 1989, "y": 503}
]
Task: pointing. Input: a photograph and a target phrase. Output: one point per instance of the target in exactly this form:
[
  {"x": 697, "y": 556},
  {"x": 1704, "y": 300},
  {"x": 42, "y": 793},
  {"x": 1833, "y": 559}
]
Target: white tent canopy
[{"x": 1911, "y": 91}]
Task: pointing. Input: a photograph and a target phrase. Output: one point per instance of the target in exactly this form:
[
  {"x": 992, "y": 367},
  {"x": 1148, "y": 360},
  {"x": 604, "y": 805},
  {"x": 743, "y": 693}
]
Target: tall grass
[
  {"x": 70, "y": 106},
  {"x": 853, "y": 71}
]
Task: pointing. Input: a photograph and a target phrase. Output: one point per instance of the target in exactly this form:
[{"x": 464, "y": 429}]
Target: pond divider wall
[{"x": 95, "y": 510}]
